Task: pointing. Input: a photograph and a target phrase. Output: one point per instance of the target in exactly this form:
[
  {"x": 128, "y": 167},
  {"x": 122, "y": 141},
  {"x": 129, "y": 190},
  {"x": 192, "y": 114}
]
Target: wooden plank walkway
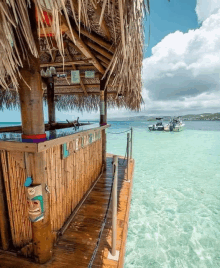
[{"x": 76, "y": 246}]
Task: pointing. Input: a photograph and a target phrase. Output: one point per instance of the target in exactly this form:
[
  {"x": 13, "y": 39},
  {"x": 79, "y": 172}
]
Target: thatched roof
[{"x": 105, "y": 36}]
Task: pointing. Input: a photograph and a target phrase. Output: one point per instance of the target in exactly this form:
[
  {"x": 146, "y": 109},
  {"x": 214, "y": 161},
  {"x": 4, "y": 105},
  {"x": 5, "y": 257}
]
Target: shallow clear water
[{"x": 175, "y": 210}]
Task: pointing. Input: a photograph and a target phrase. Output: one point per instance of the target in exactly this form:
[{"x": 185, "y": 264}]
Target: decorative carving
[
  {"x": 35, "y": 203},
  {"x": 75, "y": 145}
]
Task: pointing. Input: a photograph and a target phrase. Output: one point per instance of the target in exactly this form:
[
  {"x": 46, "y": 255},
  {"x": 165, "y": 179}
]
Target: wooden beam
[
  {"x": 11, "y": 129},
  {"x": 74, "y": 68},
  {"x": 83, "y": 47},
  {"x": 114, "y": 93},
  {"x": 75, "y": 86},
  {"x": 85, "y": 50},
  {"x": 99, "y": 49},
  {"x": 98, "y": 39},
  {"x": 18, "y": 146},
  {"x": 88, "y": 61},
  {"x": 82, "y": 75},
  {"x": 80, "y": 67},
  {"x": 77, "y": 93},
  {"x": 102, "y": 58},
  {"x": 104, "y": 65},
  {"x": 49, "y": 30},
  {"x": 54, "y": 54},
  {"x": 71, "y": 44}
]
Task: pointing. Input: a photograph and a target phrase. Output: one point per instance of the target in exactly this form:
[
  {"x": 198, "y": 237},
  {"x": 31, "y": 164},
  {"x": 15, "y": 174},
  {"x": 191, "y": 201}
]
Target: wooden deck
[{"x": 76, "y": 246}]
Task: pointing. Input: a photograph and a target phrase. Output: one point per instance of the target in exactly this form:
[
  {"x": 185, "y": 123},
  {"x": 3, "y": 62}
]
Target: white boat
[
  {"x": 158, "y": 126},
  {"x": 167, "y": 127},
  {"x": 177, "y": 124}
]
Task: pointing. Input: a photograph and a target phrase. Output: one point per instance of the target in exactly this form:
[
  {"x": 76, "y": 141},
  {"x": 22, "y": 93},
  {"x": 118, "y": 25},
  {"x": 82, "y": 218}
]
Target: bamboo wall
[{"x": 69, "y": 176}]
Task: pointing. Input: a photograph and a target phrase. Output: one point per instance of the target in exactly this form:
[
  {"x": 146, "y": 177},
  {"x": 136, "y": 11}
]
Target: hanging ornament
[
  {"x": 42, "y": 72},
  {"x": 48, "y": 72},
  {"x": 53, "y": 71}
]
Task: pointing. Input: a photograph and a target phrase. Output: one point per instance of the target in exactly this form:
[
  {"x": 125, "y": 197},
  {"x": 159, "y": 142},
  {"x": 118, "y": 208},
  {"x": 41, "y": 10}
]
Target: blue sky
[
  {"x": 181, "y": 66},
  {"x": 168, "y": 17}
]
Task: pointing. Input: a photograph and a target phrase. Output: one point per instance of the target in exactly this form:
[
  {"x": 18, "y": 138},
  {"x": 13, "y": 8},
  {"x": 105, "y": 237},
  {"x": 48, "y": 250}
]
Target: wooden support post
[
  {"x": 131, "y": 142},
  {"x": 128, "y": 152},
  {"x": 31, "y": 101},
  {"x": 30, "y": 89},
  {"x": 114, "y": 254},
  {"x": 105, "y": 101},
  {"x": 50, "y": 101},
  {"x": 114, "y": 204},
  {"x": 4, "y": 219},
  {"x": 103, "y": 117}
]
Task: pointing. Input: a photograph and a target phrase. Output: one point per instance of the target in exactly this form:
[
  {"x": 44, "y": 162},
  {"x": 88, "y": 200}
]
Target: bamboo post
[
  {"x": 4, "y": 218},
  {"x": 41, "y": 230},
  {"x": 114, "y": 254},
  {"x": 50, "y": 100},
  {"x": 31, "y": 101},
  {"x": 103, "y": 117},
  {"x": 131, "y": 142},
  {"x": 128, "y": 150},
  {"x": 114, "y": 204}
]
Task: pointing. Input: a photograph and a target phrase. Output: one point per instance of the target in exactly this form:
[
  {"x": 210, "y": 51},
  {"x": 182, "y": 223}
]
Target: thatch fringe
[
  {"x": 9, "y": 100},
  {"x": 126, "y": 63},
  {"x": 89, "y": 103},
  {"x": 14, "y": 18}
]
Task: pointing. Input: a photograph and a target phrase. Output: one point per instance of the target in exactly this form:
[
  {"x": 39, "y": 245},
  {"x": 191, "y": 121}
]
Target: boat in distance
[
  {"x": 158, "y": 126},
  {"x": 175, "y": 125},
  {"x": 178, "y": 124}
]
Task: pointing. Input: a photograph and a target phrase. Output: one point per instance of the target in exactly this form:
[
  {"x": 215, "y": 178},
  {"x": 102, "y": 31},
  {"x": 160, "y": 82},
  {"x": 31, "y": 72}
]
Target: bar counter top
[{"x": 13, "y": 141}]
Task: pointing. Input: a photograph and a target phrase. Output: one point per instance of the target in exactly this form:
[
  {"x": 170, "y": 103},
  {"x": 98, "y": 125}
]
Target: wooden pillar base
[
  {"x": 42, "y": 242},
  {"x": 41, "y": 230}
]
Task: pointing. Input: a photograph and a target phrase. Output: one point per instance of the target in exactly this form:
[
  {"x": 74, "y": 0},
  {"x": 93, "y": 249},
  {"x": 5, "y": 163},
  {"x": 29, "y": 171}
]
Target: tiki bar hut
[{"x": 56, "y": 178}]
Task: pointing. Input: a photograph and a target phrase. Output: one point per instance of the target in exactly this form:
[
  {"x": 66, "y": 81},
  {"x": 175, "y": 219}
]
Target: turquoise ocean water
[{"x": 175, "y": 209}]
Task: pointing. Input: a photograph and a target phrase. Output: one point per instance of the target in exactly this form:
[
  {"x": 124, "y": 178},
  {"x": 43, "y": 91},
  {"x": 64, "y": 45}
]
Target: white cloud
[
  {"x": 205, "y": 102},
  {"x": 206, "y": 8},
  {"x": 184, "y": 70}
]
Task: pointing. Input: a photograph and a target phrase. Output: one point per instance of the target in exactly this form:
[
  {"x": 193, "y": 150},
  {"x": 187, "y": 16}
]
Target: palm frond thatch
[
  {"x": 9, "y": 100},
  {"x": 123, "y": 19}
]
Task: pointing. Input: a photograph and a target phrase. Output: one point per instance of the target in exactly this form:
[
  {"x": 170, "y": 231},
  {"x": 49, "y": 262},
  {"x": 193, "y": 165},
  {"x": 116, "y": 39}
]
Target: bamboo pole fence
[{"x": 68, "y": 180}]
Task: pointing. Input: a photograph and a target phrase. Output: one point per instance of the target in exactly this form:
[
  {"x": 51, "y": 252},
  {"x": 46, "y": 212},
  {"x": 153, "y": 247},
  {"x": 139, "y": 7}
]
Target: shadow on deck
[{"x": 75, "y": 248}]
